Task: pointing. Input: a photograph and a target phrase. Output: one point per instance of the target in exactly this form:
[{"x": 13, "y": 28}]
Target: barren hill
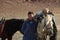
[{"x": 19, "y": 8}]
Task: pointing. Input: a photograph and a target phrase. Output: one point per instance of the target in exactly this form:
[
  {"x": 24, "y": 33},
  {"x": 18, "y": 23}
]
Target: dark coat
[{"x": 29, "y": 29}]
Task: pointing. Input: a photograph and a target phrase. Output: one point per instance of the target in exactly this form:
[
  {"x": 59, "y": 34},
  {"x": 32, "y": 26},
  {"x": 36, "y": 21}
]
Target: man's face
[{"x": 30, "y": 16}]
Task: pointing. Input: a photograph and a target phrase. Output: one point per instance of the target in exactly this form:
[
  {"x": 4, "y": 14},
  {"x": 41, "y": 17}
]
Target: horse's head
[
  {"x": 41, "y": 14},
  {"x": 39, "y": 18}
]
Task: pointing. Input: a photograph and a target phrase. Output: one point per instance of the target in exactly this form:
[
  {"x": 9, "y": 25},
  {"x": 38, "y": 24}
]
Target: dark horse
[{"x": 10, "y": 27}]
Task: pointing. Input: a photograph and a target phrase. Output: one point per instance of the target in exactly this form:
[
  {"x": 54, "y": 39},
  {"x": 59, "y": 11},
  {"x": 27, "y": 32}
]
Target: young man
[{"x": 29, "y": 28}]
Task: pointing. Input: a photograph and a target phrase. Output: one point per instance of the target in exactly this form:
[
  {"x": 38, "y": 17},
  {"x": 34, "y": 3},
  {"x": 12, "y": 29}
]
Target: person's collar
[{"x": 30, "y": 20}]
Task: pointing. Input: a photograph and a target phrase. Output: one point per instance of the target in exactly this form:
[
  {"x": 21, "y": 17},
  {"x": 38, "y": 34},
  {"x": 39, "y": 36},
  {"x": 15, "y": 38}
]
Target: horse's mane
[{"x": 50, "y": 13}]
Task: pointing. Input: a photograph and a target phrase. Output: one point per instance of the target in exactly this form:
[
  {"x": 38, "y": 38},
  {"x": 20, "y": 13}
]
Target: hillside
[{"x": 19, "y": 8}]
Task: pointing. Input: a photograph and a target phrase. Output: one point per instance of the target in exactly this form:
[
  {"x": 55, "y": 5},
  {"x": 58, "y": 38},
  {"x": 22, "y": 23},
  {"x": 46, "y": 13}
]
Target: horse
[
  {"x": 10, "y": 26},
  {"x": 46, "y": 27}
]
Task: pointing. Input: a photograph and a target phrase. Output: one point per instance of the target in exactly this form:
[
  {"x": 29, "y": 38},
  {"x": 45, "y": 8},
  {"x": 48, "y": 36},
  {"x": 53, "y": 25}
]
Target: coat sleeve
[{"x": 23, "y": 27}]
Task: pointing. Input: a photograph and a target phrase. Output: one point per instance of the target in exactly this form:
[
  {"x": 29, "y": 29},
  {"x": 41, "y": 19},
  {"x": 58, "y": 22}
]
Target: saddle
[{"x": 2, "y": 22}]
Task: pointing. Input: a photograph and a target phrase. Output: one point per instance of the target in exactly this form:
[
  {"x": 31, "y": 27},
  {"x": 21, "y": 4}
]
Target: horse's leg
[
  {"x": 3, "y": 38},
  {"x": 9, "y": 38}
]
